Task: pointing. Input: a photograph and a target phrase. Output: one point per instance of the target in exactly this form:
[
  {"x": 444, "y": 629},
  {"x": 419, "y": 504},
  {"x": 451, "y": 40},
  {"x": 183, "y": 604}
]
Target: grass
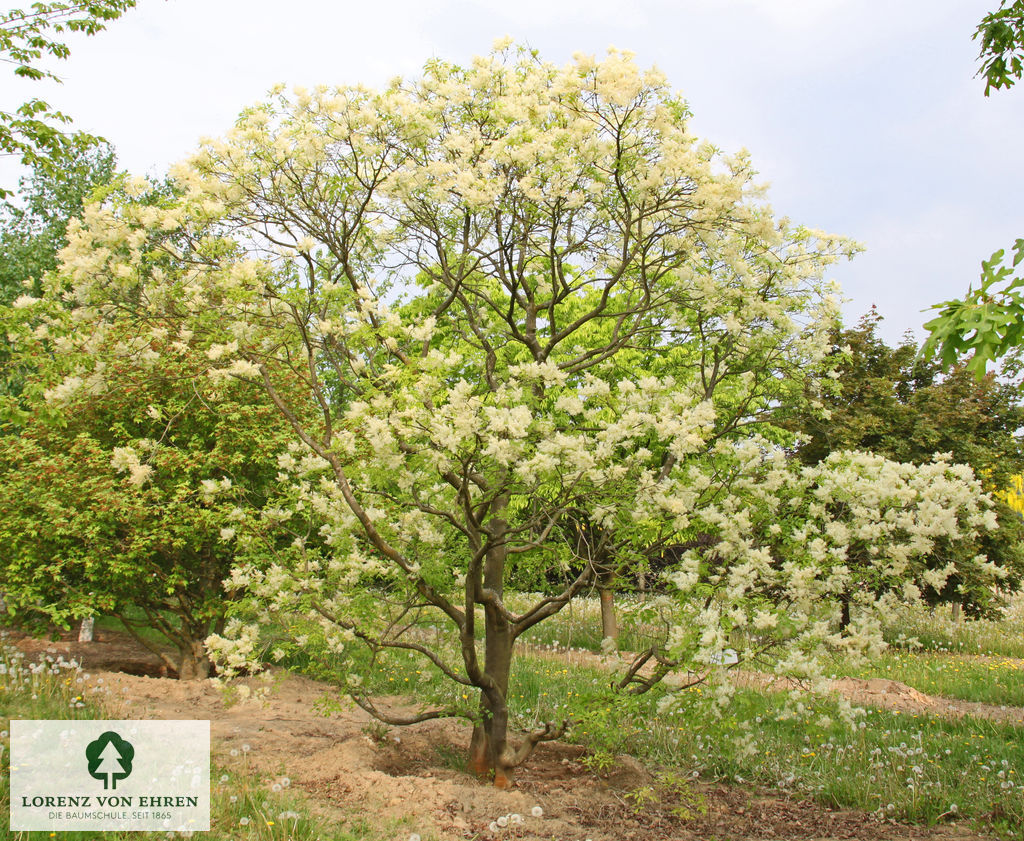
[
  {"x": 244, "y": 805},
  {"x": 989, "y": 680},
  {"x": 923, "y": 769},
  {"x": 578, "y": 625},
  {"x": 915, "y": 628},
  {"x": 918, "y": 768}
]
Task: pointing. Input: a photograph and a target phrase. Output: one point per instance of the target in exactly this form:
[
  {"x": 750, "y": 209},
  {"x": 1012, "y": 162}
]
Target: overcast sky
[{"x": 865, "y": 117}]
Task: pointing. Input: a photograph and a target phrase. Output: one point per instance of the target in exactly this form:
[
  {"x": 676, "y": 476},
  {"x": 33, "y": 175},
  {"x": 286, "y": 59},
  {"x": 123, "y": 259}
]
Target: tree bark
[
  {"x": 194, "y": 663},
  {"x": 489, "y": 750},
  {"x": 844, "y": 617},
  {"x": 609, "y": 623}
]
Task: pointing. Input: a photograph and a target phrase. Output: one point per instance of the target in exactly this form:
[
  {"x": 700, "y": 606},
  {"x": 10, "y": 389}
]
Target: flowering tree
[
  {"x": 519, "y": 298},
  {"x": 891, "y": 402}
]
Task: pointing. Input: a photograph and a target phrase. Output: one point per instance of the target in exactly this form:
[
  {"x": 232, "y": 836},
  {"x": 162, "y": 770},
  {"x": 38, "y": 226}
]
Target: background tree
[
  {"x": 892, "y": 402},
  {"x": 34, "y": 230},
  {"x": 118, "y": 504}
]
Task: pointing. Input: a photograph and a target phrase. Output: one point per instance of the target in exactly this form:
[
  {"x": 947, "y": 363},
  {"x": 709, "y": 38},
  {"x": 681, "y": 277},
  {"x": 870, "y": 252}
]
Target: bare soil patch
[{"x": 109, "y": 650}]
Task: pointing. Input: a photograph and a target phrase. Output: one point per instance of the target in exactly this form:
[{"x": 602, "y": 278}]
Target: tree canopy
[{"x": 492, "y": 303}]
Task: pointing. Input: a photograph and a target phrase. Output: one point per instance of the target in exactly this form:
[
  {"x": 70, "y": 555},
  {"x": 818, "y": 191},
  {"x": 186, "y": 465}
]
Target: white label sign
[{"x": 119, "y": 775}]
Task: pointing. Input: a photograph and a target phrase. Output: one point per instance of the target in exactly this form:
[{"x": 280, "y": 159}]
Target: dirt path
[{"x": 878, "y": 693}]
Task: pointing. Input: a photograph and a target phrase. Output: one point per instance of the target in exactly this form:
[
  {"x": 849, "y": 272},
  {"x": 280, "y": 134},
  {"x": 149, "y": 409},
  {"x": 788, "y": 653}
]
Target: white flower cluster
[
  {"x": 789, "y": 546},
  {"x": 126, "y": 460}
]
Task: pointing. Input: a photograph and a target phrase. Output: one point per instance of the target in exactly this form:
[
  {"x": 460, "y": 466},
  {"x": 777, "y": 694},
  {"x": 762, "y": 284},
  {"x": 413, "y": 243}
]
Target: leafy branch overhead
[
  {"x": 1002, "y": 45},
  {"x": 27, "y": 39},
  {"x": 988, "y": 322}
]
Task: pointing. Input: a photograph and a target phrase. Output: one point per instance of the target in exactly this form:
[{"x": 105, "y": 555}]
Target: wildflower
[
  {"x": 537, "y": 812},
  {"x": 243, "y": 821}
]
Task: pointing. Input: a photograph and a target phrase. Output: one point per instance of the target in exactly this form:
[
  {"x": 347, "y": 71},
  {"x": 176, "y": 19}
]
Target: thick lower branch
[{"x": 549, "y": 733}]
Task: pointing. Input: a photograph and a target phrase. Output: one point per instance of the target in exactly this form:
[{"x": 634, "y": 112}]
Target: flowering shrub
[{"x": 807, "y": 560}]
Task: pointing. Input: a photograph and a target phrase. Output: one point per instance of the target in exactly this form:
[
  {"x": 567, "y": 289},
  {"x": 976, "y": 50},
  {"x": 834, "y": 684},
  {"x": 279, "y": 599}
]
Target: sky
[{"x": 865, "y": 118}]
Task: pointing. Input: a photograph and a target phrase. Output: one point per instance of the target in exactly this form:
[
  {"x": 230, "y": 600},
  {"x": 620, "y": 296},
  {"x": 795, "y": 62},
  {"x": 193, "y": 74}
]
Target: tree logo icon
[{"x": 110, "y": 758}]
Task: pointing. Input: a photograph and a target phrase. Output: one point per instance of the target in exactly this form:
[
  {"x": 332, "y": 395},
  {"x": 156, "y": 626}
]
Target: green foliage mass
[
  {"x": 891, "y": 402},
  {"x": 82, "y": 537}
]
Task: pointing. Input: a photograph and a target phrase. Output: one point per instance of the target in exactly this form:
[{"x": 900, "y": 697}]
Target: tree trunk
[
  {"x": 609, "y": 624},
  {"x": 954, "y": 613},
  {"x": 844, "y": 617},
  {"x": 194, "y": 663},
  {"x": 489, "y": 749}
]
